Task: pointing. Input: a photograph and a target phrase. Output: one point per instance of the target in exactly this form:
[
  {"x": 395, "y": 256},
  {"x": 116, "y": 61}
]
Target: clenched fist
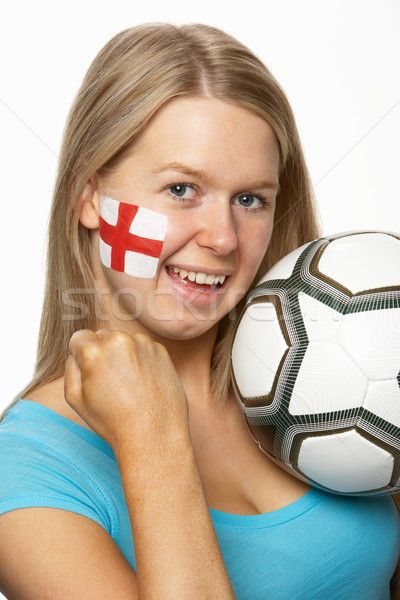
[{"x": 125, "y": 387}]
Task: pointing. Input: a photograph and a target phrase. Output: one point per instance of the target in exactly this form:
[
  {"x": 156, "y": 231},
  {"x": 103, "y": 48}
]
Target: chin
[{"x": 183, "y": 330}]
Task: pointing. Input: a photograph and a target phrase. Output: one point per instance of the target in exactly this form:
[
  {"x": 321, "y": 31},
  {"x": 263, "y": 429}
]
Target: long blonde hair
[{"x": 130, "y": 79}]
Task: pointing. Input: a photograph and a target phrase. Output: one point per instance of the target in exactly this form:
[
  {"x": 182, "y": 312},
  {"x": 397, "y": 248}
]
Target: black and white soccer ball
[{"x": 316, "y": 363}]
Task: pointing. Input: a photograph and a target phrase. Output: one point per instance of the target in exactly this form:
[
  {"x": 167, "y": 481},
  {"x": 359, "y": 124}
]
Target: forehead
[{"x": 209, "y": 135}]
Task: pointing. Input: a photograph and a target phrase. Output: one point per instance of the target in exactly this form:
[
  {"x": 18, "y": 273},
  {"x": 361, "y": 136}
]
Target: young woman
[{"x": 127, "y": 470}]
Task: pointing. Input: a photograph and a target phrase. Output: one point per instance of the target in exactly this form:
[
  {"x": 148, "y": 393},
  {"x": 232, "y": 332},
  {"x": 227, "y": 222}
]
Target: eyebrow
[
  {"x": 180, "y": 169},
  {"x": 190, "y": 172}
]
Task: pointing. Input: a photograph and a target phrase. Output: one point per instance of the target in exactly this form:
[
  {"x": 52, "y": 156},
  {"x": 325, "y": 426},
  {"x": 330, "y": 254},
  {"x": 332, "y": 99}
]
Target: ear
[{"x": 90, "y": 205}]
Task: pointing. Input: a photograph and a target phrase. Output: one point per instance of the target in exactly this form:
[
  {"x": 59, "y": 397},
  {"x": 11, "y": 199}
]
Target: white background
[{"x": 337, "y": 60}]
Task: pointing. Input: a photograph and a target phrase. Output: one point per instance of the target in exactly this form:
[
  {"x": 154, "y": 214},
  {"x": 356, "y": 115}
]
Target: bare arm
[
  {"x": 53, "y": 554},
  {"x": 128, "y": 392},
  {"x": 176, "y": 548}
]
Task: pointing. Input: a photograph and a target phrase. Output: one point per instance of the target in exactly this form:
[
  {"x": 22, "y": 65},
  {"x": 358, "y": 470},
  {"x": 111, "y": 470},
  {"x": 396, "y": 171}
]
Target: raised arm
[{"x": 127, "y": 390}]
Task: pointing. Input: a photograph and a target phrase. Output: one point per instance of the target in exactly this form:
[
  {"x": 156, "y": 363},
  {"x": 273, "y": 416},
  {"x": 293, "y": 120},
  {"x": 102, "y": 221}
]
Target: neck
[{"x": 191, "y": 357}]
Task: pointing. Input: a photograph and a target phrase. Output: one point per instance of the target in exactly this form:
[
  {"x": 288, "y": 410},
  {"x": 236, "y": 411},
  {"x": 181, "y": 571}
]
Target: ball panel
[
  {"x": 284, "y": 268},
  {"x": 383, "y": 399},
  {"x": 322, "y": 322},
  {"x": 372, "y": 340},
  {"x": 257, "y": 349},
  {"x": 328, "y": 381},
  {"x": 348, "y": 261},
  {"x": 288, "y": 448},
  {"x": 345, "y": 462},
  {"x": 260, "y": 409}
]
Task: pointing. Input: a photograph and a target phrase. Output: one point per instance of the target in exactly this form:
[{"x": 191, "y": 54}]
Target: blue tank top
[{"x": 322, "y": 546}]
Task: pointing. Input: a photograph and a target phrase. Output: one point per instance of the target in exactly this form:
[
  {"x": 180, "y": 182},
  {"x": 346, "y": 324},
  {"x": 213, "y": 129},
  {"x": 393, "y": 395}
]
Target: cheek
[
  {"x": 254, "y": 246},
  {"x": 125, "y": 295},
  {"x": 179, "y": 233}
]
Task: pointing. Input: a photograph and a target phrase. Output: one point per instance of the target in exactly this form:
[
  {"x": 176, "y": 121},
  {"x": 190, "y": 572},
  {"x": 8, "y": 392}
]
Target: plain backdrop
[{"x": 338, "y": 62}]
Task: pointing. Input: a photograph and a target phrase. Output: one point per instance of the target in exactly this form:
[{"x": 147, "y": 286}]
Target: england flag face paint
[{"x": 131, "y": 237}]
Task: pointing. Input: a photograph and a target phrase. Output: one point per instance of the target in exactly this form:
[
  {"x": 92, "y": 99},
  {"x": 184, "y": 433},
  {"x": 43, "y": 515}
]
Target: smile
[
  {"x": 201, "y": 278},
  {"x": 197, "y": 280}
]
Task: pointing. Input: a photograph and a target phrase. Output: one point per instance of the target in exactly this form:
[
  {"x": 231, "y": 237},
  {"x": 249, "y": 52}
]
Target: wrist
[{"x": 153, "y": 447}]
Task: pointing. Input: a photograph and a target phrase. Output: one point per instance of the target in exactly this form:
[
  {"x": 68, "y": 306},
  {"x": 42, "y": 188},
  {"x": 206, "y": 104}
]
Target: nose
[{"x": 217, "y": 228}]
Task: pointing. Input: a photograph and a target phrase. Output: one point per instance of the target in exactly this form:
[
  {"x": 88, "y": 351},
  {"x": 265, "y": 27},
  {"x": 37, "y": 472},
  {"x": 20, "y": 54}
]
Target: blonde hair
[{"x": 130, "y": 79}]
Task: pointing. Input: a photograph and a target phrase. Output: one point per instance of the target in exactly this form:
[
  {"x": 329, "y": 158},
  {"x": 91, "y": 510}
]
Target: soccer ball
[{"x": 316, "y": 363}]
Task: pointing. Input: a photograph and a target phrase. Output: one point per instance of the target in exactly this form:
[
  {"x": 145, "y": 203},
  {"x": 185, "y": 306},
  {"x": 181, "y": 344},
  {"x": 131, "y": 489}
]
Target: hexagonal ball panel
[
  {"x": 345, "y": 462},
  {"x": 328, "y": 381},
  {"x": 372, "y": 339}
]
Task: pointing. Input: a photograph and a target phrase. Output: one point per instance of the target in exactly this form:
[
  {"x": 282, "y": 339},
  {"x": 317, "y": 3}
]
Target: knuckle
[
  {"x": 161, "y": 349},
  {"x": 78, "y": 338},
  {"x": 140, "y": 338},
  {"x": 143, "y": 342},
  {"x": 120, "y": 338},
  {"x": 152, "y": 348},
  {"x": 89, "y": 354}
]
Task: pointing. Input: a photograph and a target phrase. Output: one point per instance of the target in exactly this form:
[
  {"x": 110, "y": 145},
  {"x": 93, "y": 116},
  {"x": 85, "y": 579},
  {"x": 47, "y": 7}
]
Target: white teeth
[{"x": 201, "y": 278}]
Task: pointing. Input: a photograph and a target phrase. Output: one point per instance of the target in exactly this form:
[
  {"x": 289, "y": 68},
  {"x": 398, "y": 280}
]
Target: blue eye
[
  {"x": 178, "y": 190},
  {"x": 250, "y": 201},
  {"x": 182, "y": 190}
]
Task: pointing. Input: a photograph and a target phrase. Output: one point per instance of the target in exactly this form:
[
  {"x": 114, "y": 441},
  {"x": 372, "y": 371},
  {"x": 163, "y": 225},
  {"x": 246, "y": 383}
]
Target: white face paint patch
[{"x": 131, "y": 237}]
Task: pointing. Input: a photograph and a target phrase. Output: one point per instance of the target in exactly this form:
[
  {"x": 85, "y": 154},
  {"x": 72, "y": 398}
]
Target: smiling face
[{"x": 212, "y": 168}]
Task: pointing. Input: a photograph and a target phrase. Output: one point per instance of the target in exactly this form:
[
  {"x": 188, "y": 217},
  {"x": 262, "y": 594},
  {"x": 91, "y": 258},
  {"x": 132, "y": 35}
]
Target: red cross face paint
[{"x": 131, "y": 237}]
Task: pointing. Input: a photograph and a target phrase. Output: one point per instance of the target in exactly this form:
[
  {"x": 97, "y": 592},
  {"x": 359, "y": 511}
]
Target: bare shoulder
[
  {"x": 51, "y": 395},
  {"x": 51, "y": 554},
  {"x": 47, "y": 391}
]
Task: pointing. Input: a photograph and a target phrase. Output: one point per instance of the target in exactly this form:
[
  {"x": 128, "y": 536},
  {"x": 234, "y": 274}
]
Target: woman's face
[{"x": 212, "y": 168}]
